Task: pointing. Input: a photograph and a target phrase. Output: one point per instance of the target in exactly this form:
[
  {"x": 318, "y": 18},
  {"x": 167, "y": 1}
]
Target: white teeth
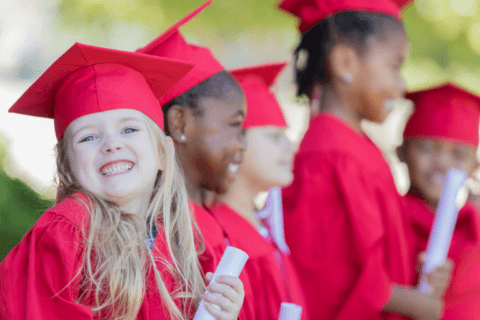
[
  {"x": 116, "y": 168},
  {"x": 233, "y": 167}
]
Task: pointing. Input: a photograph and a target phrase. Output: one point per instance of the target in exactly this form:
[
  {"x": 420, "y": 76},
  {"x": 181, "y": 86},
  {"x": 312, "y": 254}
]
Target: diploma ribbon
[{"x": 273, "y": 214}]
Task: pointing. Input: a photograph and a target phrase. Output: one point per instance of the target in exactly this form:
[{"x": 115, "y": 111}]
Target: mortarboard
[
  {"x": 88, "y": 79},
  {"x": 263, "y": 108},
  {"x": 311, "y": 12},
  {"x": 447, "y": 112},
  {"x": 171, "y": 44}
]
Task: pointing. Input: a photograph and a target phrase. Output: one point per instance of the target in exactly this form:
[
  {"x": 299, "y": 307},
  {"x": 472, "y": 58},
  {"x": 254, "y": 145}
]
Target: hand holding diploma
[
  {"x": 443, "y": 226},
  {"x": 439, "y": 278},
  {"x": 225, "y": 294}
]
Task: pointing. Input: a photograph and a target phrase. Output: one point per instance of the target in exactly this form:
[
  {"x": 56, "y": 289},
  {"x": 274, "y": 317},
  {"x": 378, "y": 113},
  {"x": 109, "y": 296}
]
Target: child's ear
[
  {"x": 176, "y": 122},
  {"x": 344, "y": 62}
]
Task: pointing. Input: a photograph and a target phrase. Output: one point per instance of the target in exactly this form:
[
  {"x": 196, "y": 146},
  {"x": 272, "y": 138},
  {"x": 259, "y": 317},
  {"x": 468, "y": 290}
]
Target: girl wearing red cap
[
  {"x": 442, "y": 133},
  {"x": 268, "y": 163},
  {"x": 203, "y": 114},
  {"x": 89, "y": 256},
  {"x": 343, "y": 215}
]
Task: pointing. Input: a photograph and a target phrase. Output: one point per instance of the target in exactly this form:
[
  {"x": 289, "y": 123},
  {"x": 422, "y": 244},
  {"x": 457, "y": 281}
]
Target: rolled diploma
[
  {"x": 290, "y": 311},
  {"x": 231, "y": 264},
  {"x": 443, "y": 225}
]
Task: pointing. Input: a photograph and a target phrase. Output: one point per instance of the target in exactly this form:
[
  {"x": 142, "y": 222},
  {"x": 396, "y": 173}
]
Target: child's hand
[
  {"x": 431, "y": 310},
  {"x": 439, "y": 278},
  {"x": 227, "y": 293}
]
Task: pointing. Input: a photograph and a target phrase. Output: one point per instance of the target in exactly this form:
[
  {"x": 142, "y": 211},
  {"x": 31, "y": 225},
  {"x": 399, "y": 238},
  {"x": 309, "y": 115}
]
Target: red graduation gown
[
  {"x": 462, "y": 299},
  {"x": 270, "y": 272},
  {"x": 344, "y": 224},
  {"x": 47, "y": 259},
  {"x": 213, "y": 237},
  {"x": 216, "y": 241}
]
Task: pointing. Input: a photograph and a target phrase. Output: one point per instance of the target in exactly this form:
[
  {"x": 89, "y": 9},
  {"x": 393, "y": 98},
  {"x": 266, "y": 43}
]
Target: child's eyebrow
[
  {"x": 239, "y": 113},
  {"x": 127, "y": 119},
  {"x": 82, "y": 128}
]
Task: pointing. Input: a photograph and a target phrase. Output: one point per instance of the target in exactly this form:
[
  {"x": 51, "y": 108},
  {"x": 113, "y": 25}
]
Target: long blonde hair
[{"x": 117, "y": 257}]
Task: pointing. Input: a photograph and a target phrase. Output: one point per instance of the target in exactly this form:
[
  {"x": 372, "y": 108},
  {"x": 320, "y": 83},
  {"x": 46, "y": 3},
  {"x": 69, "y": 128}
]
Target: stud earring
[
  {"x": 347, "y": 77},
  {"x": 183, "y": 138}
]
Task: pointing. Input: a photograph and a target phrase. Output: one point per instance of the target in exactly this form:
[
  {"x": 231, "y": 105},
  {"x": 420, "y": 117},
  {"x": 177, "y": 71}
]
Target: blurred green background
[{"x": 445, "y": 44}]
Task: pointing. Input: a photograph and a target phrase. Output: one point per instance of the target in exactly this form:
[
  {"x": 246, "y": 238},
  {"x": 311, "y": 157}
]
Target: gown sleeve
[
  {"x": 37, "y": 279},
  {"x": 333, "y": 227}
]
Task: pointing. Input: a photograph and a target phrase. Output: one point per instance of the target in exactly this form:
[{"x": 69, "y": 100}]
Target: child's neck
[
  {"x": 432, "y": 204},
  {"x": 240, "y": 197},
  {"x": 138, "y": 207},
  {"x": 191, "y": 174},
  {"x": 194, "y": 192},
  {"x": 341, "y": 107}
]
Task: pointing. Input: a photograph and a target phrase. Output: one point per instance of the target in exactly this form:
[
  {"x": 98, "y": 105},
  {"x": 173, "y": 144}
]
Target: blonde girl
[{"x": 89, "y": 256}]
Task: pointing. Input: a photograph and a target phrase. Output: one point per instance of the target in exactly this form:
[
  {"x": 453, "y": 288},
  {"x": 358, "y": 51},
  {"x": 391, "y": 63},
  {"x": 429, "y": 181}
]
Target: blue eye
[
  {"x": 89, "y": 138},
  {"x": 129, "y": 130}
]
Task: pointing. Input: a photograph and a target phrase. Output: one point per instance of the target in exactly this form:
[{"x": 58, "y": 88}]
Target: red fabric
[
  {"x": 263, "y": 107},
  {"x": 448, "y": 112},
  {"x": 48, "y": 258},
  {"x": 171, "y": 44},
  {"x": 462, "y": 299},
  {"x": 88, "y": 79},
  {"x": 311, "y": 12},
  {"x": 344, "y": 224},
  {"x": 213, "y": 237},
  {"x": 216, "y": 242},
  {"x": 270, "y": 272}
]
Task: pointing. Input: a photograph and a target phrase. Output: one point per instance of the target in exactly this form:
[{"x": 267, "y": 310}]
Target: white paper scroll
[
  {"x": 231, "y": 264},
  {"x": 443, "y": 225},
  {"x": 273, "y": 213},
  {"x": 290, "y": 311}
]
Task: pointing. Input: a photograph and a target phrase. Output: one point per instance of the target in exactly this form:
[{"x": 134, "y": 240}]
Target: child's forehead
[
  {"x": 440, "y": 142},
  {"x": 229, "y": 101},
  {"x": 107, "y": 117}
]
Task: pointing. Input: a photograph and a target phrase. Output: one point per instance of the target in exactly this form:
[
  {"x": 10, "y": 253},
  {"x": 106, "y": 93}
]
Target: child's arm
[
  {"x": 36, "y": 277},
  {"x": 418, "y": 305},
  {"x": 229, "y": 297},
  {"x": 414, "y": 304}
]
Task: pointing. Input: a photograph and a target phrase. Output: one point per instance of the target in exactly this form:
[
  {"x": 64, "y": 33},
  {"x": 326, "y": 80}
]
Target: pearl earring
[
  {"x": 347, "y": 77},
  {"x": 183, "y": 138}
]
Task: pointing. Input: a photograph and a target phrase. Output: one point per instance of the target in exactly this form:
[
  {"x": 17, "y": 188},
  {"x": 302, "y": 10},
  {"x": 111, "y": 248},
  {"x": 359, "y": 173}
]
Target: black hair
[
  {"x": 352, "y": 28},
  {"x": 218, "y": 86}
]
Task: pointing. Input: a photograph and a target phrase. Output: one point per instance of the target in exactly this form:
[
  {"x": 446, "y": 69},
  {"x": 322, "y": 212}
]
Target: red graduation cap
[
  {"x": 311, "y": 12},
  {"x": 88, "y": 79},
  {"x": 171, "y": 44},
  {"x": 445, "y": 112},
  {"x": 263, "y": 108}
]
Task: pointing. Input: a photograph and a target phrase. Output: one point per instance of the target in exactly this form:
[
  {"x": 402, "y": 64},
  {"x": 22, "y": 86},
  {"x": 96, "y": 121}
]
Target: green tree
[{"x": 20, "y": 207}]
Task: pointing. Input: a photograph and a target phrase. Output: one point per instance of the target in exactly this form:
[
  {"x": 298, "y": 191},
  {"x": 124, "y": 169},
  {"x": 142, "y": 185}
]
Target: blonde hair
[{"x": 116, "y": 254}]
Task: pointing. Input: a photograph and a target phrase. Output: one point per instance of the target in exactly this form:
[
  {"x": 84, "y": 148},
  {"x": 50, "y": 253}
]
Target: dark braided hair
[
  {"x": 351, "y": 28},
  {"x": 218, "y": 86}
]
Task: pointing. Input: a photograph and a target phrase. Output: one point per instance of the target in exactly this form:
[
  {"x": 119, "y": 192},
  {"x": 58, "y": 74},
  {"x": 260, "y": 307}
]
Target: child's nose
[
  {"x": 111, "y": 145},
  {"x": 444, "y": 161},
  {"x": 242, "y": 142}
]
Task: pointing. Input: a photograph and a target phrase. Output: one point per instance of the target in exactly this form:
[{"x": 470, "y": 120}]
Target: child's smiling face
[
  {"x": 268, "y": 158},
  {"x": 429, "y": 160},
  {"x": 112, "y": 154}
]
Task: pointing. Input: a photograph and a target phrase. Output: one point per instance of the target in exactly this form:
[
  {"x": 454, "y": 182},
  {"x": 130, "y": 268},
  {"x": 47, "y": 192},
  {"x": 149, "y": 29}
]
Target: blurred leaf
[{"x": 20, "y": 208}]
